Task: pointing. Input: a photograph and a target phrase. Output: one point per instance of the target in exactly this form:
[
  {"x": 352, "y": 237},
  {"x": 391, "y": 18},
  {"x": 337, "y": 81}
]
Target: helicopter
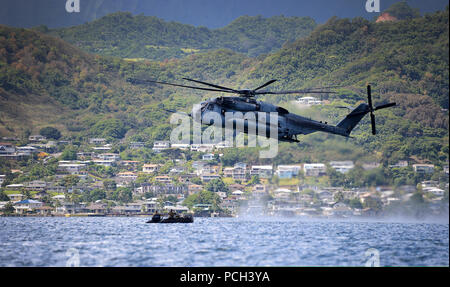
[{"x": 289, "y": 125}]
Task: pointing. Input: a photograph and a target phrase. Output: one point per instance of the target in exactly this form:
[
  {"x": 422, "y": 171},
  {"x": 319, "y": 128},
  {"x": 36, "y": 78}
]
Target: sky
[{"x": 209, "y": 13}]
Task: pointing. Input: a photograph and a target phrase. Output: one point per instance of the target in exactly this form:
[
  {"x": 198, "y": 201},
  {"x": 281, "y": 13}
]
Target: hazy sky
[{"x": 210, "y": 13}]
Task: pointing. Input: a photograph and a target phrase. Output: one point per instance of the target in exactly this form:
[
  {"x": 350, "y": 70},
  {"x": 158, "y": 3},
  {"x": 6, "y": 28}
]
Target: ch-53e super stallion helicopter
[{"x": 289, "y": 125}]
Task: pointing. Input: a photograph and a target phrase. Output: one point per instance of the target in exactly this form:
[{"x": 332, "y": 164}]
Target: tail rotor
[{"x": 372, "y": 109}]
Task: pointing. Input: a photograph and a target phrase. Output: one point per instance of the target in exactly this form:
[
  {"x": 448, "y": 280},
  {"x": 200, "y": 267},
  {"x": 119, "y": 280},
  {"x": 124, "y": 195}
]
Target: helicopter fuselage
[{"x": 288, "y": 125}]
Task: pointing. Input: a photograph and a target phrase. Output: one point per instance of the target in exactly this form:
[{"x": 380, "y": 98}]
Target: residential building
[
  {"x": 127, "y": 176},
  {"x": 208, "y": 156},
  {"x": 181, "y": 146},
  {"x": 136, "y": 145},
  {"x": 109, "y": 156},
  {"x": 342, "y": 166},
  {"x": 106, "y": 163},
  {"x": 263, "y": 171},
  {"x": 163, "y": 179},
  {"x": 37, "y": 138},
  {"x": 26, "y": 205},
  {"x": 97, "y": 141},
  {"x": 37, "y": 185},
  {"x": 314, "y": 169},
  {"x": 72, "y": 168},
  {"x": 2, "y": 179},
  {"x": 15, "y": 197},
  {"x": 260, "y": 189},
  {"x": 209, "y": 177},
  {"x": 194, "y": 188},
  {"x": 150, "y": 168},
  {"x": 26, "y": 150},
  {"x": 288, "y": 171},
  {"x": 7, "y": 149},
  {"x": 400, "y": 164},
  {"x": 160, "y": 145},
  {"x": 309, "y": 101},
  {"x": 423, "y": 168}
]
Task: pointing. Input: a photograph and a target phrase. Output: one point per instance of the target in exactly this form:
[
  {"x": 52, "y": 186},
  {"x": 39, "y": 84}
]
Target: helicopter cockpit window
[{"x": 282, "y": 111}]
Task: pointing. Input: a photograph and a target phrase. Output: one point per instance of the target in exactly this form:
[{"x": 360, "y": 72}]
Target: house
[
  {"x": 208, "y": 156},
  {"x": 202, "y": 147},
  {"x": 109, "y": 156},
  {"x": 177, "y": 170},
  {"x": 84, "y": 155},
  {"x": 228, "y": 172},
  {"x": 194, "y": 188},
  {"x": 102, "y": 148},
  {"x": 288, "y": 171},
  {"x": 163, "y": 179},
  {"x": 26, "y": 205},
  {"x": 209, "y": 177},
  {"x": 127, "y": 176},
  {"x": 136, "y": 145},
  {"x": 7, "y": 149},
  {"x": 239, "y": 171},
  {"x": 53, "y": 188},
  {"x": 263, "y": 171},
  {"x": 36, "y": 185},
  {"x": 314, "y": 169},
  {"x": 14, "y": 186},
  {"x": 37, "y": 138},
  {"x": 70, "y": 208},
  {"x": 96, "y": 208},
  {"x": 44, "y": 210},
  {"x": 259, "y": 189},
  {"x": 400, "y": 164},
  {"x": 150, "y": 168},
  {"x": 160, "y": 145},
  {"x": 106, "y": 163},
  {"x": 342, "y": 166},
  {"x": 72, "y": 168},
  {"x": 15, "y": 197},
  {"x": 26, "y": 150},
  {"x": 423, "y": 168},
  {"x": 309, "y": 101},
  {"x": 97, "y": 141}
]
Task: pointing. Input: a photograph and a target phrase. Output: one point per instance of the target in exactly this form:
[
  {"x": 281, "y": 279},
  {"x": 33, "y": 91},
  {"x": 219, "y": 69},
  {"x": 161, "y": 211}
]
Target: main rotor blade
[
  {"x": 211, "y": 85},
  {"x": 369, "y": 97},
  {"x": 294, "y": 92},
  {"x": 137, "y": 81},
  {"x": 372, "y": 121},
  {"x": 384, "y": 106},
  {"x": 266, "y": 84}
]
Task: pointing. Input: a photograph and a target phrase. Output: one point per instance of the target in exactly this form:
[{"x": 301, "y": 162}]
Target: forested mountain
[
  {"x": 46, "y": 81},
  {"x": 124, "y": 35}
]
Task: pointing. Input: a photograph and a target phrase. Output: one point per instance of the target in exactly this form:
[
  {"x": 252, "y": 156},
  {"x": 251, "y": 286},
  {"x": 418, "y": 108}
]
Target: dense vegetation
[
  {"x": 124, "y": 35},
  {"x": 45, "y": 81}
]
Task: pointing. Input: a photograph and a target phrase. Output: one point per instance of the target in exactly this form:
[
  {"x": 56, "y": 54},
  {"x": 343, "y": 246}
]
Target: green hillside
[
  {"x": 124, "y": 35},
  {"x": 46, "y": 81}
]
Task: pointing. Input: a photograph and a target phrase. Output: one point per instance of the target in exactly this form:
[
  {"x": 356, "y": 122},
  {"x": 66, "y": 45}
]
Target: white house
[
  {"x": 208, "y": 156},
  {"x": 423, "y": 168},
  {"x": 109, "y": 156},
  {"x": 26, "y": 205},
  {"x": 36, "y": 138},
  {"x": 150, "y": 168},
  {"x": 314, "y": 169},
  {"x": 135, "y": 145},
  {"x": 263, "y": 171},
  {"x": 342, "y": 166},
  {"x": 309, "y": 101},
  {"x": 160, "y": 145},
  {"x": 97, "y": 141},
  {"x": 288, "y": 171}
]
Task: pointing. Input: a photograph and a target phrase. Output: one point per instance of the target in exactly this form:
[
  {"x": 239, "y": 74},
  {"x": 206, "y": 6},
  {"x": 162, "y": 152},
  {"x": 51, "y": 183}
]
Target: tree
[
  {"x": 217, "y": 185},
  {"x": 3, "y": 196},
  {"x": 355, "y": 203},
  {"x": 50, "y": 133},
  {"x": 8, "y": 208},
  {"x": 70, "y": 180},
  {"x": 69, "y": 153}
]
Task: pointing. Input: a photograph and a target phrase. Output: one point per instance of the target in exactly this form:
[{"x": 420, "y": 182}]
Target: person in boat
[
  {"x": 156, "y": 216},
  {"x": 171, "y": 214}
]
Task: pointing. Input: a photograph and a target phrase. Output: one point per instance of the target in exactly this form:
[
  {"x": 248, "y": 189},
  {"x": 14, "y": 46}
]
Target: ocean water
[{"x": 129, "y": 241}]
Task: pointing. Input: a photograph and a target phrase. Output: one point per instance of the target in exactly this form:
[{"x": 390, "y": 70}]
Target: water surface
[{"x": 128, "y": 241}]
